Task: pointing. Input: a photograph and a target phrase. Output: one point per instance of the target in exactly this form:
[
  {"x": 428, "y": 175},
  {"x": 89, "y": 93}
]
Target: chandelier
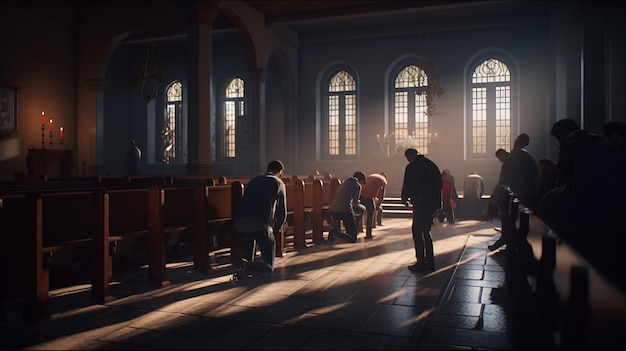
[{"x": 150, "y": 74}]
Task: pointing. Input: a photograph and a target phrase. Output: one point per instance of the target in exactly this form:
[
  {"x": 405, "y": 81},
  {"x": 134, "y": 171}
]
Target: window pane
[
  {"x": 491, "y": 70},
  {"x": 479, "y": 121},
  {"x": 420, "y": 135},
  {"x": 342, "y": 114},
  {"x": 170, "y": 132},
  {"x": 235, "y": 88},
  {"x": 233, "y": 107},
  {"x": 503, "y": 117},
  {"x": 411, "y": 77},
  {"x": 333, "y": 125},
  {"x": 411, "y": 125},
  {"x": 350, "y": 125},
  {"x": 229, "y": 129},
  {"x": 401, "y": 127},
  {"x": 175, "y": 92},
  {"x": 491, "y": 108},
  {"x": 342, "y": 81}
]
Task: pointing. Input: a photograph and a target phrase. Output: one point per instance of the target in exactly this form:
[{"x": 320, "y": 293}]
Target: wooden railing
[{"x": 562, "y": 297}]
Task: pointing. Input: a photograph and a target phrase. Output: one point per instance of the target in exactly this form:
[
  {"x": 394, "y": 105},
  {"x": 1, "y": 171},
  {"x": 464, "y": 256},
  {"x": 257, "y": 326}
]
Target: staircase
[{"x": 393, "y": 207}]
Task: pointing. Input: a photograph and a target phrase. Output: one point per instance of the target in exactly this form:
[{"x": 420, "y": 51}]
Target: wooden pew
[
  {"x": 136, "y": 223},
  {"x": 215, "y": 206},
  {"x": 313, "y": 194},
  {"x": 231, "y": 179},
  {"x": 174, "y": 212},
  {"x": 67, "y": 222},
  {"x": 329, "y": 190},
  {"x": 295, "y": 217},
  {"x": 560, "y": 297},
  {"x": 192, "y": 179},
  {"x": 14, "y": 226},
  {"x": 54, "y": 227}
]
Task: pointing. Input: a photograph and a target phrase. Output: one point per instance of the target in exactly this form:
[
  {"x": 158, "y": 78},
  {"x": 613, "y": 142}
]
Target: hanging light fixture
[{"x": 150, "y": 73}]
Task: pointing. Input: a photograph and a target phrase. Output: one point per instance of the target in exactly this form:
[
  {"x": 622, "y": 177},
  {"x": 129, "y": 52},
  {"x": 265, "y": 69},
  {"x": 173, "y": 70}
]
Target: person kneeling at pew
[
  {"x": 345, "y": 206},
  {"x": 261, "y": 212}
]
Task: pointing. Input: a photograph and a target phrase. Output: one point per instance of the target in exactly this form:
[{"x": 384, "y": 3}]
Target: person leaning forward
[
  {"x": 261, "y": 213},
  {"x": 422, "y": 186},
  {"x": 345, "y": 206},
  {"x": 372, "y": 195}
]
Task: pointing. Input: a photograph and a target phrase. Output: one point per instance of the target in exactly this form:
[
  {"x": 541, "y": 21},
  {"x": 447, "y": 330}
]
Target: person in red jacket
[
  {"x": 447, "y": 210},
  {"x": 372, "y": 196}
]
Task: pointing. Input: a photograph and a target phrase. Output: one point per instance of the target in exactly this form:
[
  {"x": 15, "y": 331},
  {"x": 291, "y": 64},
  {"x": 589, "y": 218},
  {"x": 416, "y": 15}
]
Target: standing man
[
  {"x": 372, "y": 195},
  {"x": 262, "y": 212},
  {"x": 345, "y": 206},
  {"x": 422, "y": 185},
  {"x": 521, "y": 174},
  {"x": 132, "y": 164}
]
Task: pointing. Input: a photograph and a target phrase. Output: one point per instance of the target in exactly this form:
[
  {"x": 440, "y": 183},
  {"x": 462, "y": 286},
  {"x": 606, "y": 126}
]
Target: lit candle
[
  {"x": 61, "y": 133},
  {"x": 378, "y": 138},
  {"x": 50, "y": 125},
  {"x": 43, "y": 118}
]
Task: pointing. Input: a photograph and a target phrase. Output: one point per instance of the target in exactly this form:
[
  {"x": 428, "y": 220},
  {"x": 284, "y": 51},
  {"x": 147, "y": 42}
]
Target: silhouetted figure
[
  {"x": 549, "y": 175},
  {"x": 132, "y": 163},
  {"x": 589, "y": 194},
  {"x": 614, "y": 133},
  {"x": 473, "y": 190},
  {"x": 521, "y": 174},
  {"x": 422, "y": 185},
  {"x": 501, "y": 154},
  {"x": 521, "y": 141},
  {"x": 492, "y": 209}
]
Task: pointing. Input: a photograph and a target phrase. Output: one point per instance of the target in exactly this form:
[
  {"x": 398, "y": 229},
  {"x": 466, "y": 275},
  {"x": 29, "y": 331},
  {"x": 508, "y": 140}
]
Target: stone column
[
  {"x": 89, "y": 154},
  {"x": 200, "y": 35},
  {"x": 257, "y": 114}
]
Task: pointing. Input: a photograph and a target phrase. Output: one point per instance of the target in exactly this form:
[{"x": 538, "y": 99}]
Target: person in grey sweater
[{"x": 345, "y": 206}]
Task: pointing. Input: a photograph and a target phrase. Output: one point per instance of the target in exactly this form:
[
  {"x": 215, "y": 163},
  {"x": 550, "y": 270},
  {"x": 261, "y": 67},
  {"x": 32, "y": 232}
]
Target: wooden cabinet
[{"x": 49, "y": 162}]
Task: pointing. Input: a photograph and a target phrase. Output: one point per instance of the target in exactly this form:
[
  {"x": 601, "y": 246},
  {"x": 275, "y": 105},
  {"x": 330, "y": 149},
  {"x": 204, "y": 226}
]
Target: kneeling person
[
  {"x": 261, "y": 213},
  {"x": 345, "y": 206}
]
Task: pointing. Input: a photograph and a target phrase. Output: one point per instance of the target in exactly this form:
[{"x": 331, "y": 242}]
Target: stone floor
[{"x": 339, "y": 296}]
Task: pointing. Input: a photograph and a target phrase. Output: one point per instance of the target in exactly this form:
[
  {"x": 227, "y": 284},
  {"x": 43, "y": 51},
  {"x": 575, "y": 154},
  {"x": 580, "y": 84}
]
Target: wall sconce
[{"x": 150, "y": 74}]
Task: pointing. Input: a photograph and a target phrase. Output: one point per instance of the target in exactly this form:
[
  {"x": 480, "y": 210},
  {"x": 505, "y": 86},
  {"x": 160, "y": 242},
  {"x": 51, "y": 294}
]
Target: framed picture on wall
[{"x": 8, "y": 110}]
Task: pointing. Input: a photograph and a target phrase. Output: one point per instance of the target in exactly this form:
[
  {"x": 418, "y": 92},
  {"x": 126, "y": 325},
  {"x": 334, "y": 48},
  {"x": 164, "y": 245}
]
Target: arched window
[
  {"x": 340, "y": 116},
  {"x": 410, "y": 110},
  {"x": 491, "y": 116},
  {"x": 234, "y": 106},
  {"x": 172, "y": 133}
]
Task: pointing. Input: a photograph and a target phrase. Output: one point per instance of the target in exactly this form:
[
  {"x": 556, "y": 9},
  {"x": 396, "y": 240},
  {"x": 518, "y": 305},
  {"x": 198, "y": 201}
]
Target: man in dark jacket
[
  {"x": 260, "y": 215},
  {"x": 422, "y": 185}
]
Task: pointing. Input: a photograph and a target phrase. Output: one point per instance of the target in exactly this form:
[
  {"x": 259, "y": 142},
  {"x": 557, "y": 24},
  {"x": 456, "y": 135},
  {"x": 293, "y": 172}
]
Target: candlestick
[
  {"x": 61, "y": 136},
  {"x": 386, "y": 146},
  {"x": 51, "y": 133}
]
